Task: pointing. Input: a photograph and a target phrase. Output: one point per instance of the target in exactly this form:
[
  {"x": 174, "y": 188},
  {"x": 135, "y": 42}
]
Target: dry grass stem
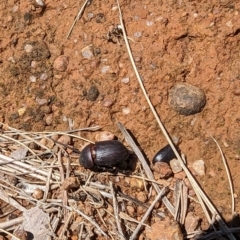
[
  {"x": 228, "y": 175},
  {"x": 77, "y": 18},
  {"x": 159, "y": 196},
  {"x": 124, "y": 216},
  {"x": 177, "y": 199},
  {"x": 184, "y": 203},
  {"x": 116, "y": 213},
  {"x": 11, "y": 201},
  {"x": 66, "y": 222},
  {"x": 48, "y": 182},
  {"x": 11, "y": 223},
  {"x": 10, "y": 234}
]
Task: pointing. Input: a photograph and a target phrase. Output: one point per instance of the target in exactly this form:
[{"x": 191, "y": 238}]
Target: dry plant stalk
[
  {"x": 160, "y": 195},
  {"x": 228, "y": 175},
  {"x": 77, "y": 18}
]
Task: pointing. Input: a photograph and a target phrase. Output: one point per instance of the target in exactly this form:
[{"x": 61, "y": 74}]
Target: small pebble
[
  {"x": 137, "y": 34},
  {"x": 49, "y": 119},
  {"x": 195, "y": 15},
  {"x": 104, "y": 135},
  {"x": 65, "y": 118},
  {"x": 38, "y": 193},
  {"x": 162, "y": 170},
  {"x": 93, "y": 93},
  {"x": 21, "y": 111},
  {"x": 40, "y": 3},
  {"x": 87, "y": 52},
  {"x": 125, "y": 80},
  {"x": 100, "y": 18},
  {"x": 60, "y": 63},
  {"x": 32, "y": 79},
  {"x": 28, "y": 48},
  {"x": 70, "y": 182},
  {"x": 15, "y": 8},
  {"x": 131, "y": 210},
  {"x": 142, "y": 196},
  {"x": 114, "y": 8},
  {"x": 11, "y": 59},
  {"x": 90, "y": 15},
  {"x": 34, "y": 64},
  {"x": 105, "y": 69},
  {"x": 41, "y": 101},
  {"x": 44, "y": 76},
  {"x": 199, "y": 167},
  {"x": 47, "y": 142},
  {"x": 64, "y": 139},
  {"x": 149, "y": 23},
  {"x": 58, "y": 76},
  {"x": 137, "y": 184},
  {"x": 186, "y": 99},
  {"x": 108, "y": 103},
  {"x": 175, "y": 166},
  {"x": 229, "y": 24},
  {"x": 126, "y": 110},
  {"x": 191, "y": 222},
  {"x": 236, "y": 92}
]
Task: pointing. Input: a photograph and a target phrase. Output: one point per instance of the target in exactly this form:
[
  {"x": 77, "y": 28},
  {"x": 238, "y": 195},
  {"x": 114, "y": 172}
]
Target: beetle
[
  {"x": 165, "y": 154},
  {"x": 103, "y": 155}
]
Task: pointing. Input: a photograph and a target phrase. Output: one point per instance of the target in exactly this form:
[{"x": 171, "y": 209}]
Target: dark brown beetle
[{"x": 103, "y": 155}]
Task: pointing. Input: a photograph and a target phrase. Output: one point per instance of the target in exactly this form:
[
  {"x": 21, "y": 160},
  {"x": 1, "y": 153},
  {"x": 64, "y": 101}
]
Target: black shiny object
[
  {"x": 103, "y": 155},
  {"x": 166, "y": 154}
]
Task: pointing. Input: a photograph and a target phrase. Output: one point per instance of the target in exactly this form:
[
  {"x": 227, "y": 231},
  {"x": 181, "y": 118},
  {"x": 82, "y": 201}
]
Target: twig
[
  {"x": 11, "y": 201},
  {"x": 134, "y": 234},
  {"x": 48, "y": 182},
  {"x": 115, "y": 208},
  {"x": 184, "y": 203},
  {"x": 228, "y": 174},
  {"x": 137, "y": 202},
  {"x": 20, "y": 166},
  {"x": 124, "y": 216},
  {"x": 177, "y": 199},
  {"x": 12, "y": 222},
  {"x": 10, "y": 234},
  {"x": 69, "y": 218},
  {"x": 77, "y": 18}
]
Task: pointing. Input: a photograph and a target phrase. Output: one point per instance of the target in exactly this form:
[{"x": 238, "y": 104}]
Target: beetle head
[{"x": 86, "y": 157}]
